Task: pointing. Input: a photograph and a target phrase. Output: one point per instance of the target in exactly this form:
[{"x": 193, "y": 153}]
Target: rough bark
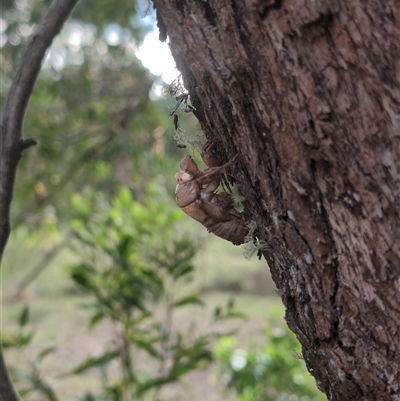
[
  {"x": 12, "y": 143},
  {"x": 308, "y": 94}
]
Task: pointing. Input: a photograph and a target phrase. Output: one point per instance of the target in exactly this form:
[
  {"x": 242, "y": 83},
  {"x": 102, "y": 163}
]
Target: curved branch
[{"x": 12, "y": 144}]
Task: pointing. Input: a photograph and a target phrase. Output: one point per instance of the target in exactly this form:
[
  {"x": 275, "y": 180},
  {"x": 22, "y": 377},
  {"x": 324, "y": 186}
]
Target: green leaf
[
  {"x": 124, "y": 246},
  {"x": 16, "y": 340},
  {"x": 189, "y": 299},
  {"x": 238, "y": 315},
  {"x": 24, "y": 392},
  {"x": 194, "y": 359},
  {"x": 95, "y": 362},
  {"x": 42, "y": 387},
  {"x": 142, "y": 317},
  {"x": 153, "y": 383},
  {"x": 147, "y": 346},
  {"x": 48, "y": 392},
  {"x": 155, "y": 279},
  {"x": 24, "y": 317},
  {"x": 95, "y": 319},
  {"x": 183, "y": 271},
  {"x": 46, "y": 352},
  {"x": 81, "y": 274}
]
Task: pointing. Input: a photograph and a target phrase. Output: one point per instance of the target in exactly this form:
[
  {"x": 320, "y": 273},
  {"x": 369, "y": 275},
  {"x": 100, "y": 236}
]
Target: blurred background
[{"x": 109, "y": 292}]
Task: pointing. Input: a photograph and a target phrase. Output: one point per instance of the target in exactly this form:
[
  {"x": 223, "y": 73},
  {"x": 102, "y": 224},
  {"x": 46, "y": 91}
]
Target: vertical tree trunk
[{"x": 308, "y": 94}]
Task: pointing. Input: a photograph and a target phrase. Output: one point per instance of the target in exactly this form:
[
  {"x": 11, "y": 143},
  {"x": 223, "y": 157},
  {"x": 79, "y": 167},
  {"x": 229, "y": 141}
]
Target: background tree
[
  {"x": 72, "y": 114},
  {"x": 90, "y": 112},
  {"x": 12, "y": 142},
  {"x": 91, "y": 64},
  {"x": 308, "y": 94}
]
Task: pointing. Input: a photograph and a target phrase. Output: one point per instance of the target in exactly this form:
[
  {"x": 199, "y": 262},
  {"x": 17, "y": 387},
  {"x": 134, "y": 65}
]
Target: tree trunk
[{"x": 308, "y": 94}]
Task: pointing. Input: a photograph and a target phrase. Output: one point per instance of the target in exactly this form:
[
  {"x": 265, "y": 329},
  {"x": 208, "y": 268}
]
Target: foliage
[
  {"x": 133, "y": 262},
  {"x": 90, "y": 112},
  {"x": 274, "y": 374},
  {"x": 135, "y": 269},
  {"x": 31, "y": 380}
]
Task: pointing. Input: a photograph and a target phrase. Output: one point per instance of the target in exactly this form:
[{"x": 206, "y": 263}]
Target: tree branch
[
  {"x": 7, "y": 391},
  {"x": 11, "y": 142}
]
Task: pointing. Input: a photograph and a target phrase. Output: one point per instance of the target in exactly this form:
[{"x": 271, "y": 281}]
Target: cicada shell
[{"x": 196, "y": 194}]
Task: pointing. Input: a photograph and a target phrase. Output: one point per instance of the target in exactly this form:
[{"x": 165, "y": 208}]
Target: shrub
[{"x": 276, "y": 373}]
